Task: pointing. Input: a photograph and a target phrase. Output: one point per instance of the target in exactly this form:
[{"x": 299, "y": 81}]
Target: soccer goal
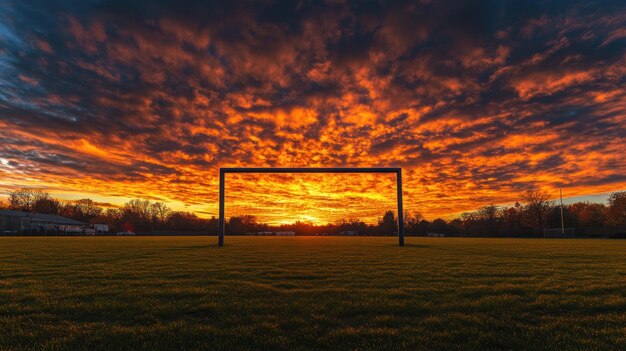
[{"x": 397, "y": 171}]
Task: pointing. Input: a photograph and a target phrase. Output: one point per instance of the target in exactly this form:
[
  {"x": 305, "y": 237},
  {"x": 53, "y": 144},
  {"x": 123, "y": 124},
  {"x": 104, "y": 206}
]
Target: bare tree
[
  {"x": 86, "y": 210},
  {"x": 179, "y": 220},
  {"x": 491, "y": 216},
  {"x": 47, "y": 205},
  {"x": 587, "y": 214},
  {"x": 469, "y": 222},
  {"x": 412, "y": 217},
  {"x": 25, "y": 199},
  {"x": 160, "y": 212},
  {"x": 138, "y": 207},
  {"x": 537, "y": 206},
  {"x": 412, "y": 221},
  {"x": 617, "y": 208},
  {"x": 242, "y": 224}
]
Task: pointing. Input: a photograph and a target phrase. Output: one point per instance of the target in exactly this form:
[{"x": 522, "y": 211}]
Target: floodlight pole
[{"x": 397, "y": 171}]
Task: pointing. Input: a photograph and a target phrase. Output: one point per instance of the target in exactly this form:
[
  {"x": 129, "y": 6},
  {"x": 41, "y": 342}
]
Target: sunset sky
[{"x": 476, "y": 101}]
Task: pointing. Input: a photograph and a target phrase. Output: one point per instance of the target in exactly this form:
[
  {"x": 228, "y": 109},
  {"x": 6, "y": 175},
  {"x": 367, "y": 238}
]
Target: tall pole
[
  {"x": 562, "y": 221},
  {"x": 220, "y": 229},
  {"x": 400, "y": 211}
]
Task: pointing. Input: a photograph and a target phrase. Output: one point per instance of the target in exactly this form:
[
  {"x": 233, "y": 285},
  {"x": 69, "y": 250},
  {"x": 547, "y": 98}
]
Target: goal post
[{"x": 396, "y": 170}]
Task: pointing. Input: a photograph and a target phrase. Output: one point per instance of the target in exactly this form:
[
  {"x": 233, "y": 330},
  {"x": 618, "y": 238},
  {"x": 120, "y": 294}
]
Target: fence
[{"x": 584, "y": 232}]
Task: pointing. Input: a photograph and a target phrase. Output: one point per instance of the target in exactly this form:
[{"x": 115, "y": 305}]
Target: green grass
[{"x": 311, "y": 293}]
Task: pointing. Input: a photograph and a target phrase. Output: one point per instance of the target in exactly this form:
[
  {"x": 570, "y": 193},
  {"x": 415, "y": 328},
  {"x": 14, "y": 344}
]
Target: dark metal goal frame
[{"x": 397, "y": 171}]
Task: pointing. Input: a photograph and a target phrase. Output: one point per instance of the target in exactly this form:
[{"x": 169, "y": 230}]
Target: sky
[{"x": 477, "y": 101}]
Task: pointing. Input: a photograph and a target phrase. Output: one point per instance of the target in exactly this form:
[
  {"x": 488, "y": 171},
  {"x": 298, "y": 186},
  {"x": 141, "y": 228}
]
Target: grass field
[{"x": 170, "y": 293}]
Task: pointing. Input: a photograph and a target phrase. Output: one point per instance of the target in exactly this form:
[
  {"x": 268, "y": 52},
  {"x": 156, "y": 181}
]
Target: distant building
[
  {"x": 16, "y": 222},
  {"x": 100, "y": 229},
  {"x": 285, "y": 233},
  {"x": 436, "y": 235}
]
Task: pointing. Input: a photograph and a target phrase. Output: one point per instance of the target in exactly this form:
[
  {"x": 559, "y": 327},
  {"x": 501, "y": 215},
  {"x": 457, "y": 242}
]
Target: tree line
[
  {"x": 136, "y": 215},
  {"x": 536, "y": 212},
  {"x": 528, "y": 217},
  {"x": 531, "y": 215},
  {"x": 145, "y": 216}
]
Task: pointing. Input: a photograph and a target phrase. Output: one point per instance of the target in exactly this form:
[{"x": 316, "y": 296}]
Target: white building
[{"x": 17, "y": 222}]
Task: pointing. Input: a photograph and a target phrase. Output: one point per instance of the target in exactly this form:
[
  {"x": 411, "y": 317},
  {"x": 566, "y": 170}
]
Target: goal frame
[{"x": 265, "y": 170}]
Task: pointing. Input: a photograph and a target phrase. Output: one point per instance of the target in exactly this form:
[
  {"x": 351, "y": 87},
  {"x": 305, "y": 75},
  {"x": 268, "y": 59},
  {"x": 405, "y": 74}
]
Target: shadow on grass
[
  {"x": 194, "y": 247},
  {"x": 416, "y": 246}
]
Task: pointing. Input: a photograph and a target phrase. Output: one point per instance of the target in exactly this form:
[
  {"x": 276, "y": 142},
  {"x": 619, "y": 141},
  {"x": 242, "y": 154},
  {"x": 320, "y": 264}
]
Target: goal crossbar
[{"x": 396, "y": 170}]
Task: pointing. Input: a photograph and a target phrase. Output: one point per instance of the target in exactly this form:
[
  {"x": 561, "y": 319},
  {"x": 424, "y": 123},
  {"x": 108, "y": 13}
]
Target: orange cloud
[{"x": 111, "y": 106}]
